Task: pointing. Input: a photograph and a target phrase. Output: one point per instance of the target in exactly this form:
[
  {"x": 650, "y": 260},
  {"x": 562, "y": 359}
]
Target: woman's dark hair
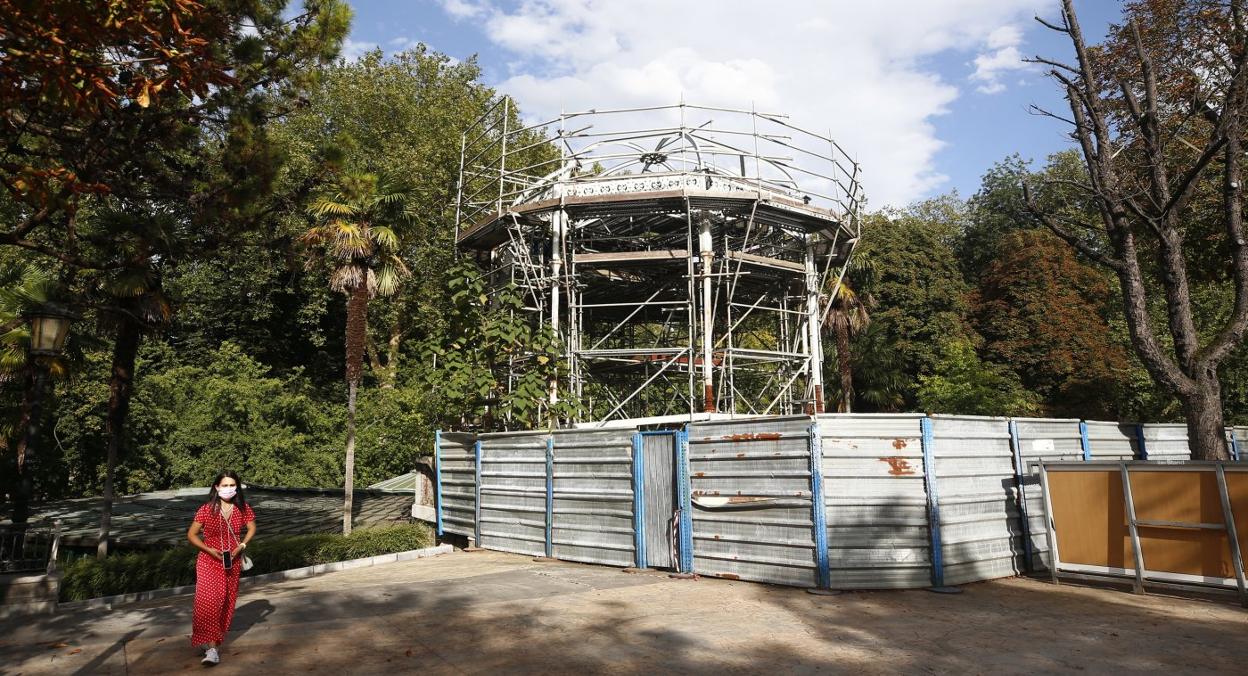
[{"x": 239, "y": 500}]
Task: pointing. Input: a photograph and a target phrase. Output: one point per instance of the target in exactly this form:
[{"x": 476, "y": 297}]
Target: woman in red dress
[{"x": 221, "y": 530}]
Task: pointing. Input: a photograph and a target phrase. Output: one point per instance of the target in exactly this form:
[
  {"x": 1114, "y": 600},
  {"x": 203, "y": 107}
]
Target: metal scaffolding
[{"x": 685, "y": 255}]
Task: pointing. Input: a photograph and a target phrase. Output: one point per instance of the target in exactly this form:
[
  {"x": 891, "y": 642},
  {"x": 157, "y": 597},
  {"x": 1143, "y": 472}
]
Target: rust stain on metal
[
  {"x": 756, "y": 436},
  {"x": 730, "y": 576},
  {"x": 708, "y": 398},
  {"x": 699, "y": 474},
  {"x": 740, "y": 455},
  {"x": 899, "y": 444},
  {"x": 898, "y": 466}
]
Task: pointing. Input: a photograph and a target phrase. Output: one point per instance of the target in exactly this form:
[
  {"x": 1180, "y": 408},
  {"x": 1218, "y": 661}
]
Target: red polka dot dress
[{"x": 216, "y": 589}]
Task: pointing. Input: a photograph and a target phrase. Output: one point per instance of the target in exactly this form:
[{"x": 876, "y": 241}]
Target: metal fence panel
[
  {"x": 457, "y": 458},
  {"x": 875, "y": 500},
  {"x": 513, "y": 492},
  {"x": 1113, "y": 440},
  {"x": 1047, "y": 439},
  {"x": 592, "y": 512},
  {"x": 752, "y": 504},
  {"x": 980, "y": 525},
  {"x": 1241, "y": 441},
  {"x": 1166, "y": 442}
]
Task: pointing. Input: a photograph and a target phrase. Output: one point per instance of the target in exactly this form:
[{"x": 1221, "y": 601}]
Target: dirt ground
[{"x": 486, "y": 612}]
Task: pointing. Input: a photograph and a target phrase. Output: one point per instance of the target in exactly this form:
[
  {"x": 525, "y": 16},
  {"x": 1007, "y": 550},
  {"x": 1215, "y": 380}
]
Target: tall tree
[
  {"x": 1043, "y": 314},
  {"x": 358, "y": 233},
  {"x": 402, "y": 115},
  {"x": 921, "y": 295},
  {"x": 1159, "y": 113},
  {"x": 848, "y": 316}
]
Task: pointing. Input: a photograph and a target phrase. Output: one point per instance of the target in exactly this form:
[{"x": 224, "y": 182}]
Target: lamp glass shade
[{"x": 48, "y": 333}]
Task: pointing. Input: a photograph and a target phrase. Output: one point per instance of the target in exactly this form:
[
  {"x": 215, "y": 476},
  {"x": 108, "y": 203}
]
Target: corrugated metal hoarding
[
  {"x": 1043, "y": 439},
  {"x": 752, "y": 505},
  {"x": 513, "y": 492},
  {"x": 1166, "y": 441},
  {"x": 876, "y": 501},
  {"x": 980, "y": 525},
  {"x": 1112, "y": 440},
  {"x": 457, "y": 468},
  {"x": 752, "y": 487},
  {"x": 592, "y": 513}
]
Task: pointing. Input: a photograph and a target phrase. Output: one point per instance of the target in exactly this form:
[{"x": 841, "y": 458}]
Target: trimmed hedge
[{"x": 89, "y": 578}]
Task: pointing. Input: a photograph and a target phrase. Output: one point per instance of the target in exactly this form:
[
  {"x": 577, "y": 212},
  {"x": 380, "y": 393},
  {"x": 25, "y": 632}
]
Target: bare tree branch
[{"x": 1070, "y": 238}]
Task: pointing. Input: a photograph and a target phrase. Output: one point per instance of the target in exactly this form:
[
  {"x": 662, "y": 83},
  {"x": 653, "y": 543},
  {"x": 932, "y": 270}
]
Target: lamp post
[{"x": 49, "y": 326}]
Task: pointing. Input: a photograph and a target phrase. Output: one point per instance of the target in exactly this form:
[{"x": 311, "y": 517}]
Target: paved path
[{"x": 486, "y": 612}]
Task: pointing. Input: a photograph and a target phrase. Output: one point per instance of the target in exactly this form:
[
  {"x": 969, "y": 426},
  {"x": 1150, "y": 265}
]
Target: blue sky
[{"x": 928, "y": 94}]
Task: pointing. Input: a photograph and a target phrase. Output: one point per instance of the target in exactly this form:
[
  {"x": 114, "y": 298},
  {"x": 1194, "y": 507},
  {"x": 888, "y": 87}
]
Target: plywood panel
[
  {"x": 1188, "y": 497},
  {"x": 1237, "y": 488},
  {"x": 1088, "y": 511}
]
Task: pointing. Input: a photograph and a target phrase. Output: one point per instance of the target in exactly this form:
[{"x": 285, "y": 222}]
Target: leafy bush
[{"x": 143, "y": 571}]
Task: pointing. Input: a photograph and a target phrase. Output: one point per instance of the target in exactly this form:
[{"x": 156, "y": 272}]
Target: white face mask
[{"x": 226, "y": 492}]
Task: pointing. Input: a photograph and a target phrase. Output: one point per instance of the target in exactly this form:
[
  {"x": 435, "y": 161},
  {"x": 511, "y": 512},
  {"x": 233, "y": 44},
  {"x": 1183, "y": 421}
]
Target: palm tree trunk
[
  {"x": 844, "y": 365},
  {"x": 120, "y": 389},
  {"x": 349, "y": 470},
  {"x": 357, "y": 329}
]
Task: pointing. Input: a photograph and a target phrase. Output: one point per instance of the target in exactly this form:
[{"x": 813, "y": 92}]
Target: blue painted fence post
[
  {"x": 1139, "y": 441},
  {"x": 437, "y": 478},
  {"x": 933, "y": 503},
  {"x": 639, "y": 503},
  {"x": 476, "y": 501},
  {"x": 1020, "y": 476},
  {"x": 1083, "y": 441},
  {"x": 550, "y": 493},
  {"x": 686, "y": 502},
  {"x": 818, "y": 507}
]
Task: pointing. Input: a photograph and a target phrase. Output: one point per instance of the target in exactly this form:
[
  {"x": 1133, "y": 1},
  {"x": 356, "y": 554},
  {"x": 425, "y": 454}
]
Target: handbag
[{"x": 246, "y": 560}]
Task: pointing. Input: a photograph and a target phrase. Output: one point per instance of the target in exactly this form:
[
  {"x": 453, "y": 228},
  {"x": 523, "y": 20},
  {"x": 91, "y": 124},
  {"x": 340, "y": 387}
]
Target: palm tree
[
  {"x": 847, "y": 317},
  {"x": 134, "y": 302},
  {"x": 356, "y": 233}
]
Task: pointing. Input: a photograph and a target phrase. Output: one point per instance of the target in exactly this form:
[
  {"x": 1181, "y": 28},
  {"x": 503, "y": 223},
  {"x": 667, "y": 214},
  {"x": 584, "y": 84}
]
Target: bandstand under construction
[{"x": 685, "y": 255}]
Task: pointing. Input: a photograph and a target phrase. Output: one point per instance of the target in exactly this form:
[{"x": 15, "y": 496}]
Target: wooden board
[
  {"x": 1237, "y": 488},
  {"x": 1189, "y": 497},
  {"x": 1088, "y": 510}
]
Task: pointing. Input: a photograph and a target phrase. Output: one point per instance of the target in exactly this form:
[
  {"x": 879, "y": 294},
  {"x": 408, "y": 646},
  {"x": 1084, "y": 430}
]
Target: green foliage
[
  {"x": 963, "y": 384},
  {"x": 232, "y": 412},
  {"x": 494, "y": 368},
  {"x": 918, "y": 286},
  {"x": 88, "y": 578}
]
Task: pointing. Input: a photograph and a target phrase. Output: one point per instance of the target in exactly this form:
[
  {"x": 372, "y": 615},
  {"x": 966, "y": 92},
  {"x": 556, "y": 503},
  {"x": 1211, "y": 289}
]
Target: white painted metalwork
[{"x": 686, "y": 255}]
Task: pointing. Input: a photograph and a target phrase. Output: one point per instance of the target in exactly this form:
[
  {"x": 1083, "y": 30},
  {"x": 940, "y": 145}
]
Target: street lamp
[{"x": 49, "y": 326}]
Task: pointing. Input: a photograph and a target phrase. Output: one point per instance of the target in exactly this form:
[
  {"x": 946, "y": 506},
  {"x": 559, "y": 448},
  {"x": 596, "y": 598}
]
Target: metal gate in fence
[{"x": 658, "y": 499}]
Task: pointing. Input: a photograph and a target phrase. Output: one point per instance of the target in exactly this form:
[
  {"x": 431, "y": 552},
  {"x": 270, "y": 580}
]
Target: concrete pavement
[{"x": 486, "y": 612}]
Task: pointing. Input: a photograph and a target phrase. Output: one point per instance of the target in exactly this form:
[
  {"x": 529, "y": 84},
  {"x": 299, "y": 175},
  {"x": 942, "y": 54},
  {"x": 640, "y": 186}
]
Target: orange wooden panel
[
  {"x": 1237, "y": 488},
  {"x": 1090, "y": 518},
  {"x": 1188, "y": 497}
]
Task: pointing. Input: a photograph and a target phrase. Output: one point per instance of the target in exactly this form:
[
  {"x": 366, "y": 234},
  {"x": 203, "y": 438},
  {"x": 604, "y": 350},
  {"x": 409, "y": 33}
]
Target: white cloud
[
  {"x": 462, "y": 9},
  {"x": 861, "y": 69},
  {"x": 354, "y": 49},
  {"x": 1001, "y": 57}
]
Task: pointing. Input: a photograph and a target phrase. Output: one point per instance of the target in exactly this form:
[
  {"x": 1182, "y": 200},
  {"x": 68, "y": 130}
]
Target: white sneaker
[{"x": 211, "y": 658}]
